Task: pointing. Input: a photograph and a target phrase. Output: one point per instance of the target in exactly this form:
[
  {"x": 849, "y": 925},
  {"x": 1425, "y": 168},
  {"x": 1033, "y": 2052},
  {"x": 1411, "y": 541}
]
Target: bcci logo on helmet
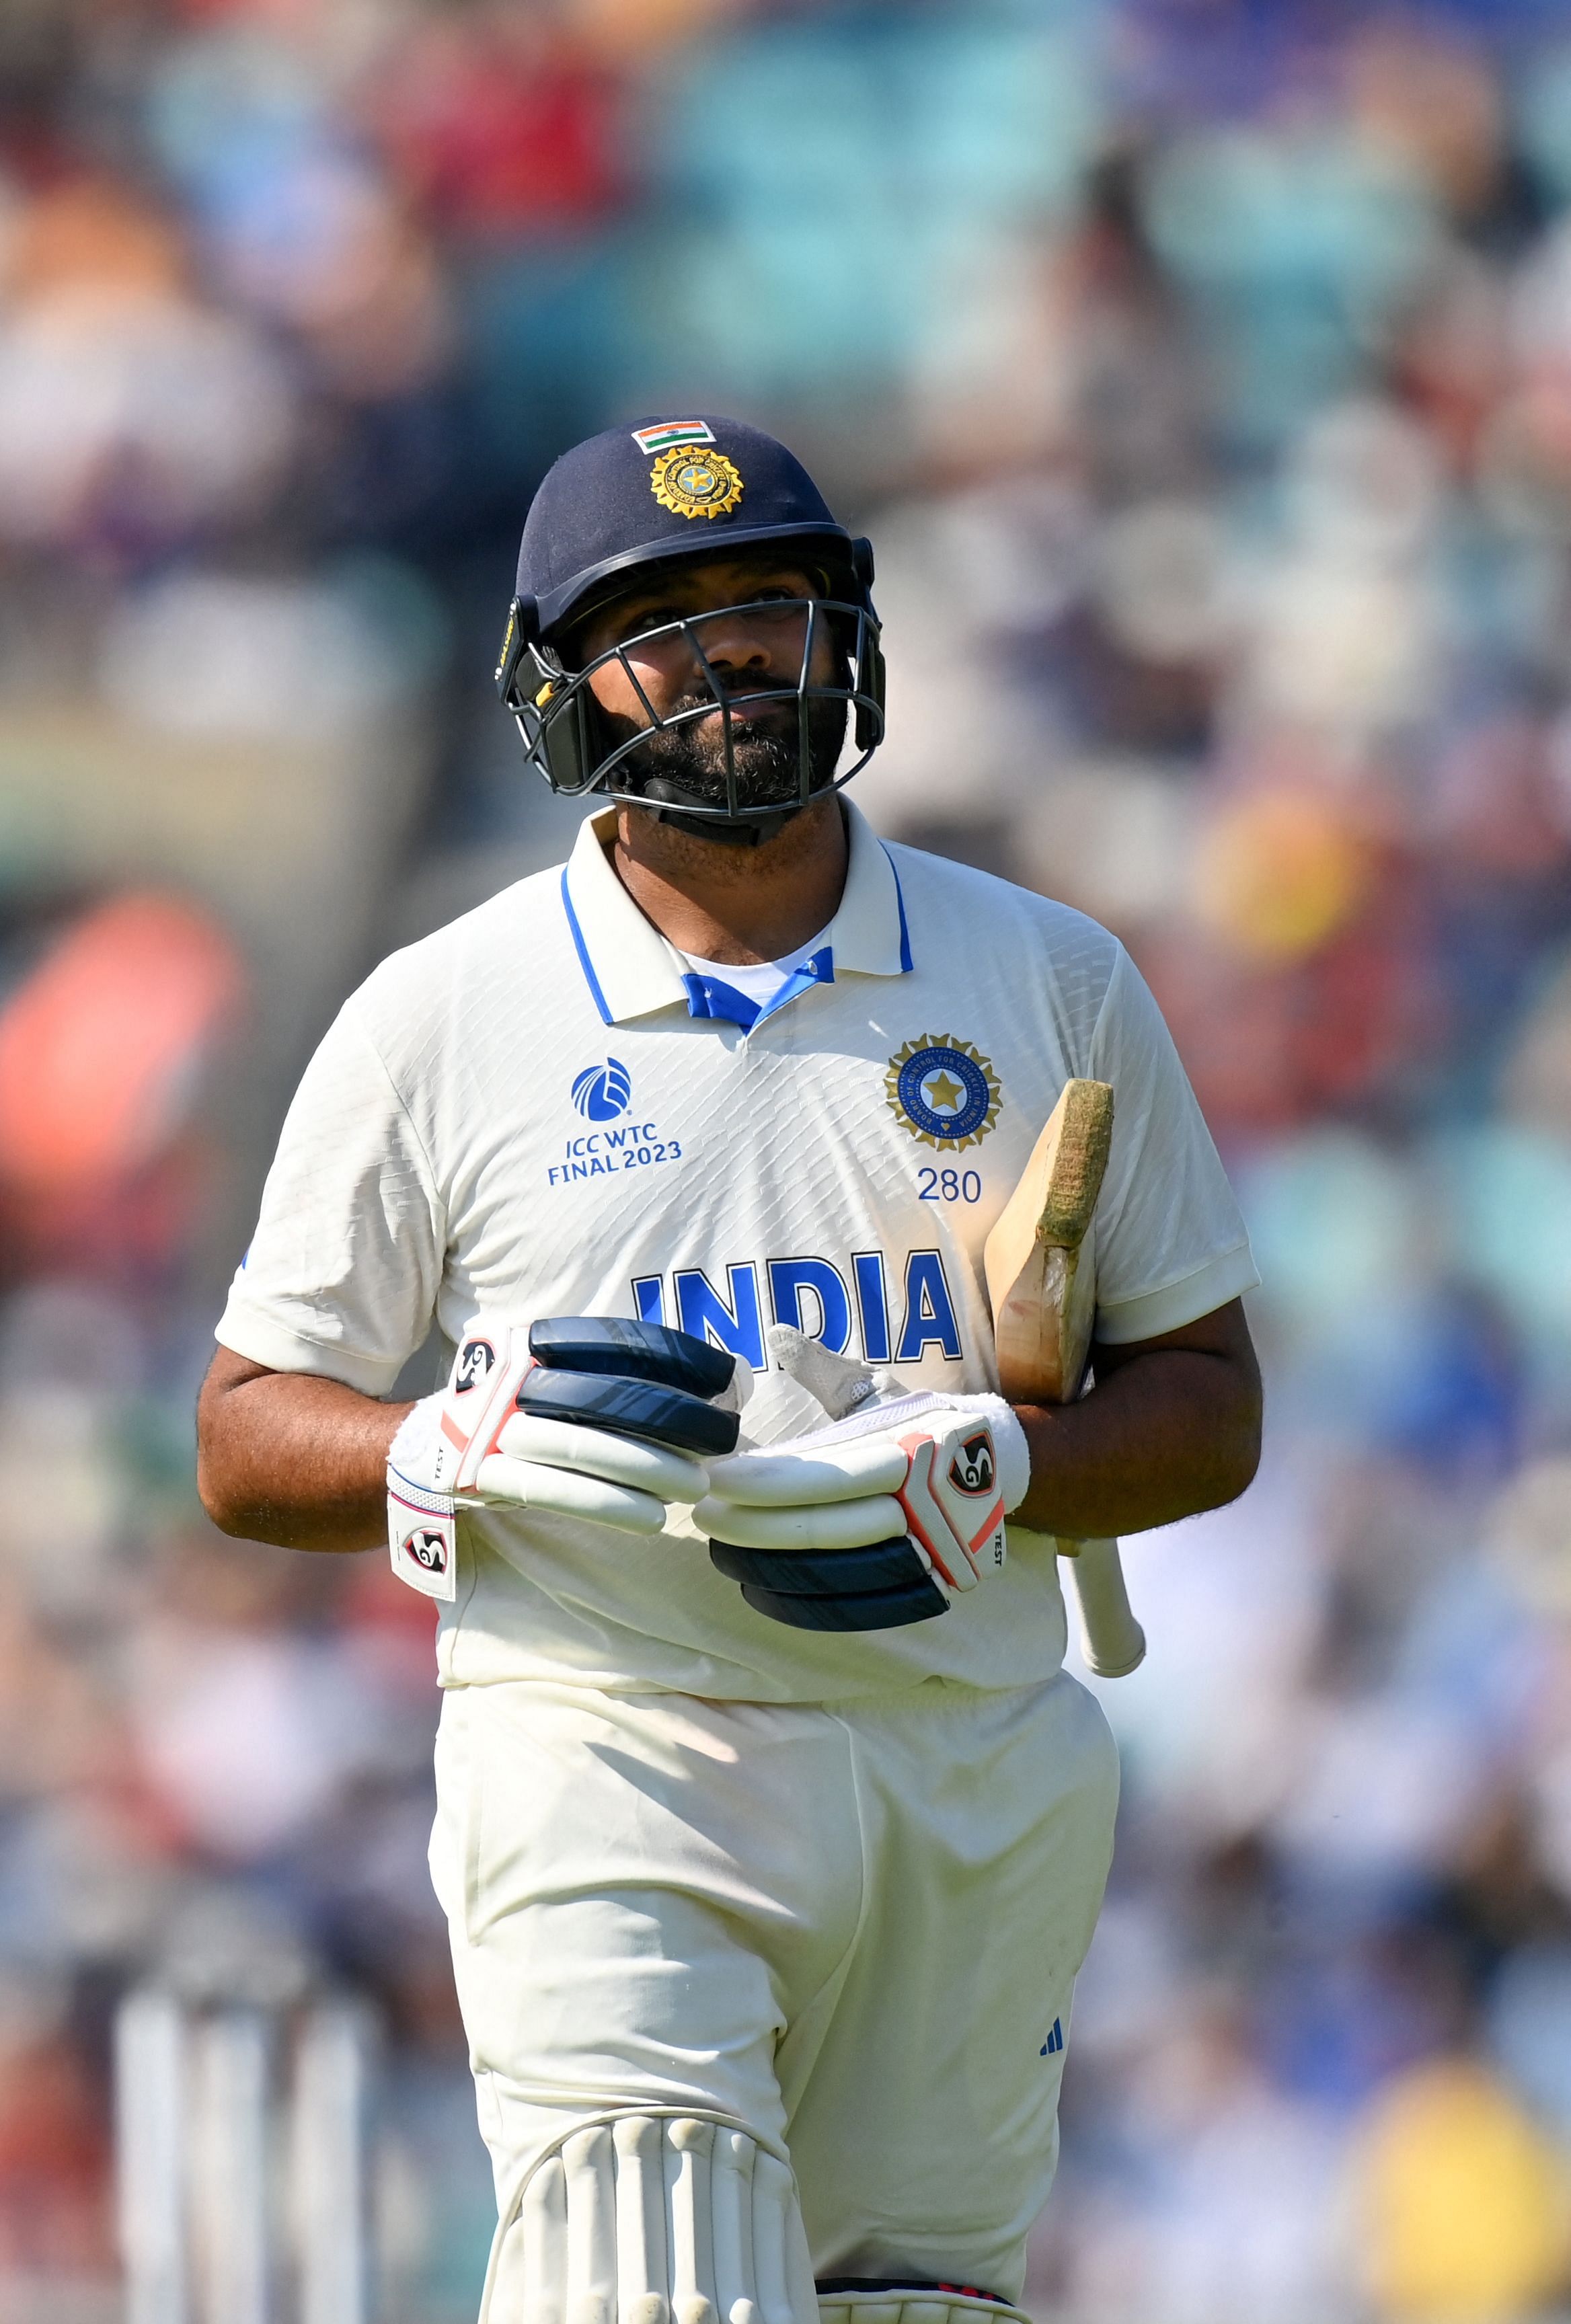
[
  {"x": 971, "y": 1470},
  {"x": 603, "y": 1091}
]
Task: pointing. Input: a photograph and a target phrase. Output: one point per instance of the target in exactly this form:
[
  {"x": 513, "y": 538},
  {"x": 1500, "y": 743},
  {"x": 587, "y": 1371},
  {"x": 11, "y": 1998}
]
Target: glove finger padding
[
  {"x": 633, "y": 1349},
  {"x": 631, "y": 1407},
  {"x": 597, "y": 1453},
  {"x": 563, "y": 1493},
  {"x": 830, "y": 1525},
  {"x": 893, "y": 1564},
  {"x": 842, "y": 1609},
  {"x": 783, "y": 1479}
]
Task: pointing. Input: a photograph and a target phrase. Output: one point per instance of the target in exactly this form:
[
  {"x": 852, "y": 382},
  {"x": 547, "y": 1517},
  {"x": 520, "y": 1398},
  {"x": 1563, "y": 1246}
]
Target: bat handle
[{"x": 1111, "y": 1639}]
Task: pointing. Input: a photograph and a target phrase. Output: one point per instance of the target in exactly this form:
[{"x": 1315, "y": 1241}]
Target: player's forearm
[
  {"x": 284, "y": 1457},
  {"x": 1175, "y": 1430}
]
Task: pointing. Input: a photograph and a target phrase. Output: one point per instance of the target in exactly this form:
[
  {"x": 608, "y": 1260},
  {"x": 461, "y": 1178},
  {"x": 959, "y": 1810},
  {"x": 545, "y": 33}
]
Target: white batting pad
[
  {"x": 922, "y": 2304},
  {"x": 655, "y": 2219}
]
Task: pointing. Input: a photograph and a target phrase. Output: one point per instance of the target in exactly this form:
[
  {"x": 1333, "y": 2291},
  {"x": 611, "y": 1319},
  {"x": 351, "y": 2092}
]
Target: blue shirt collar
[
  {"x": 632, "y": 971},
  {"x": 711, "y": 996}
]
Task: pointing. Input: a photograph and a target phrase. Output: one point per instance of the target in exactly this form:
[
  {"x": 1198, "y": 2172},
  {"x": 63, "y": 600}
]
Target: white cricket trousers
[{"x": 852, "y": 1932}]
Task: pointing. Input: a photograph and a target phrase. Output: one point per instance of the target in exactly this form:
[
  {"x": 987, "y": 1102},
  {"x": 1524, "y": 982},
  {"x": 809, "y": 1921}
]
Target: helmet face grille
[{"x": 568, "y": 740}]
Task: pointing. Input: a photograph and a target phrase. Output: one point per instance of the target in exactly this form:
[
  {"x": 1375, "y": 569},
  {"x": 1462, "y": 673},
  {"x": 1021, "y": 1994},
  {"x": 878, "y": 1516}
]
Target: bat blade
[{"x": 1041, "y": 1279}]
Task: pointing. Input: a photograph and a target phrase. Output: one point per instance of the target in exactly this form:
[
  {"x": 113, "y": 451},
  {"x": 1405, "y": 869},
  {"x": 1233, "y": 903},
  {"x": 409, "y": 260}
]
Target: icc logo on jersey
[
  {"x": 603, "y": 1091},
  {"x": 603, "y": 1094}
]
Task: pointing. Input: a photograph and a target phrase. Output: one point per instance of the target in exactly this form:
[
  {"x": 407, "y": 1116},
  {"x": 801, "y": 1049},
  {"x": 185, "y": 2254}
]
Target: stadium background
[{"x": 1203, "y": 368}]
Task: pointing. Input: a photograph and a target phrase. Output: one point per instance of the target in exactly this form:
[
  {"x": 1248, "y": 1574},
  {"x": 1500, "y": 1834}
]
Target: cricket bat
[{"x": 1041, "y": 1278}]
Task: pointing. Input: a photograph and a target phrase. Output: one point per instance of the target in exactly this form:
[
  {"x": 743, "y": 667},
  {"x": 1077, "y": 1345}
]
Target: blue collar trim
[
  {"x": 633, "y": 971},
  {"x": 711, "y": 996},
  {"x": 905, "y": 962},
  {"x": 708, "y": 996},
  {"x": 584, "y": 962}
]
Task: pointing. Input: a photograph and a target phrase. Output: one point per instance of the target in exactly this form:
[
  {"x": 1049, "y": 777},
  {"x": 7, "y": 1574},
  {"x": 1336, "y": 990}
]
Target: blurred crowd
[{"x": 1202, "y": 369}]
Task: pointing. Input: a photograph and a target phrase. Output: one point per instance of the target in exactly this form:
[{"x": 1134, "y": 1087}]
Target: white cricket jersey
[{"x": 541, "y": 1111}]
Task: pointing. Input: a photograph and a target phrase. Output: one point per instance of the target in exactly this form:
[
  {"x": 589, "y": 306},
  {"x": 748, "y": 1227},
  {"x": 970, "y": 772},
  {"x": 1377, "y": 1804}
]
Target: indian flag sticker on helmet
[{"x": 667, "y": 432}]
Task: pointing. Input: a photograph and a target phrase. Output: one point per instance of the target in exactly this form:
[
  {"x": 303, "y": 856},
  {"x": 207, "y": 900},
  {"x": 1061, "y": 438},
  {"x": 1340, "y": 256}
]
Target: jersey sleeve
[
  {"x": 1170, "y": 1241},
  {"x": 342, "y": 1275}
]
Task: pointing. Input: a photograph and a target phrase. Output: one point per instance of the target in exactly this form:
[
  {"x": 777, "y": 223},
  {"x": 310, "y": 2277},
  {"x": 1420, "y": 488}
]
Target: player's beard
[{"x": 684, "y": 766}]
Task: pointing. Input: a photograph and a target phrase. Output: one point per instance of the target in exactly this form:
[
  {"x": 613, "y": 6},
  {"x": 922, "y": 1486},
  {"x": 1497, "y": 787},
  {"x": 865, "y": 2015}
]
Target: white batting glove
[
  {"x": 945, "y": 1470},
  {"x": 469, "y": 1446}
]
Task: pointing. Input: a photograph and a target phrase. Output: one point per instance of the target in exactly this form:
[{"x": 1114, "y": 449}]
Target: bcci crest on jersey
[{"x": 945, "y": 1092}]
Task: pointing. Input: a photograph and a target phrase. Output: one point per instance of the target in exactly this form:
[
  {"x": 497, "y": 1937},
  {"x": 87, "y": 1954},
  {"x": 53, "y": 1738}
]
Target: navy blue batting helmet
[{"x": 635, "y": 500}]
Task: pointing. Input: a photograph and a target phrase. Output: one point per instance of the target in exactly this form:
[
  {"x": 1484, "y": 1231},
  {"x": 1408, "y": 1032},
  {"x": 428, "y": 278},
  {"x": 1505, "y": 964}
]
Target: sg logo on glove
[
  {"x": 429, "y": 1549},
  {"x": 475, "y": 1358},
  {"x": 972, "y": 1470},
  {"x": 952, "y": 1507}
]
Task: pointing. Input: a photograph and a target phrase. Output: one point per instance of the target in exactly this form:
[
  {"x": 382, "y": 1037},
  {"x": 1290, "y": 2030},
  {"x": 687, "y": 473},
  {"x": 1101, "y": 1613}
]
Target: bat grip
[{"x": 1110, "y": 1640}]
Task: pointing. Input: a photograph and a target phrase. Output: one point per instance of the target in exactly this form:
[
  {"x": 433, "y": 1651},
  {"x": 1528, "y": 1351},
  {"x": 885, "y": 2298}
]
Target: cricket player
[{"x": 771, "y": 1832}]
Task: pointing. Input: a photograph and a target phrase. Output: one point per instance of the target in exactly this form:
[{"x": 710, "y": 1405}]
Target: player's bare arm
[
  {"x": 1171, "y": 1426},
  {"x": 290, "y": 1458}
]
